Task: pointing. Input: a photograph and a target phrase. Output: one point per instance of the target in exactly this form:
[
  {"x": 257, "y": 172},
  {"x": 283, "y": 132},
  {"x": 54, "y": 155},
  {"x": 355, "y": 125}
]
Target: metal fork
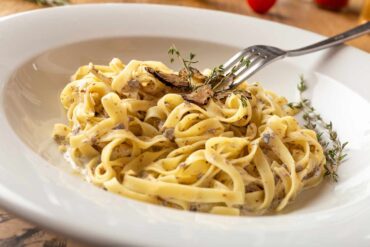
[{"x": 261, "y": 55}]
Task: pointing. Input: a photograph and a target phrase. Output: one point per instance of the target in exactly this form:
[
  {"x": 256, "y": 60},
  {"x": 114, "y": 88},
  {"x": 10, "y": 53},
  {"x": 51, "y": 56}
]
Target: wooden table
[{"x": 299, "y": 13}]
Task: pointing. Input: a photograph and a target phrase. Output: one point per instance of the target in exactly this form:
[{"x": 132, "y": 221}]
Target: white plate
[{"x": 40, "y": 49}]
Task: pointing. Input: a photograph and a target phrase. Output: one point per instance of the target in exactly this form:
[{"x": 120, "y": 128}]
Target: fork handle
[{"x": 335, "y": 40}]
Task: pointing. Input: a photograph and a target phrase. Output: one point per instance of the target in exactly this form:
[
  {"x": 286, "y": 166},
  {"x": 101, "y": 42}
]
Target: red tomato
[
  {"x": 261, "y": 6},
  {"x": 332, "y": 4}
]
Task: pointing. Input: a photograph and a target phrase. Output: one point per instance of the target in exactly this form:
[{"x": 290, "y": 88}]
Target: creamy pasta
[{"x": 133, "y": 135}]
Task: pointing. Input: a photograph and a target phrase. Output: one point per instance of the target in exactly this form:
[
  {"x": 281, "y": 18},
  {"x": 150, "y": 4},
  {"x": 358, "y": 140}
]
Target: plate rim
[{"x": 54, "y": 224}]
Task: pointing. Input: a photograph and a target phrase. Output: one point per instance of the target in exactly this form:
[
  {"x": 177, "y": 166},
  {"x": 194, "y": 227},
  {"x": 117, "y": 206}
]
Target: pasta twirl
[{"x": 132, "y": 135}]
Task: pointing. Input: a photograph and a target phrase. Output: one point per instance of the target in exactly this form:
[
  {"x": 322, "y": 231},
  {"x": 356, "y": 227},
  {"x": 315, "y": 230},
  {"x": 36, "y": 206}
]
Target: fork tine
[
  {"x": 235, "y": 59},
  {"x": 253, "y": 58},
  {"x": 247, "y": 56},
  {"x": 259, "y": 56},
  {"x": 248, "y": 72},
  {"x": 243, "y": 73}
]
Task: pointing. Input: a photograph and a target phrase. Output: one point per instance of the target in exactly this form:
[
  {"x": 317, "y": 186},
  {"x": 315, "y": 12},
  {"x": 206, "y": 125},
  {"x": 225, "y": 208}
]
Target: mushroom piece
[
  {"x": 133, "y": 84},
  {"x": 171, "y": 80},
  {"x": 195, "y": 73},
  {"x": 169, "y": 134},
  {"x": 200, "y": 95},
  {"x": 252, "y": 187}
]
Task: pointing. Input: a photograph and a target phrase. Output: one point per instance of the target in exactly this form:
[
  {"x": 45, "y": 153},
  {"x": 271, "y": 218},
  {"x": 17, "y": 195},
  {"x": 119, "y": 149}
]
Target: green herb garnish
[
  {"x": 334, "y": 150},
  {"x": 216, "y": 72},
  {"x": 217, "y": 77},
  {"x": 244, "y": 100},
  {"x": 174, "y": 52},
  {"x": 243, "y": 62},
  {"x": 244, "y": 96}
]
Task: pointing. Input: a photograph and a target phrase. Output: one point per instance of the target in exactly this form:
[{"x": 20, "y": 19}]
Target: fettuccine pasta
[{"x": 132, "y": 135}]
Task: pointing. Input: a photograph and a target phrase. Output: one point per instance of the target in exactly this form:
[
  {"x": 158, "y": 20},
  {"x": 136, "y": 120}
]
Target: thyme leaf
[
  {"x": 334, "y": 149},
  {"x": 216, "y": 72},
  {"x": 174, "y": 52},
  {"x": 244, "y": 96},
  {"x": 244, "y": 100},
  {"x": 230, "y": 76}
]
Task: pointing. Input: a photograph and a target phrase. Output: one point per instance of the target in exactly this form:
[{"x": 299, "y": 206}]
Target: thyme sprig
[
  {"x": 174, "y": 52},
  {"x": 218, "y": 75},
  {"x": 230, "y": 76},
  {"x": 50, "y": 2},
  {"x": 334, "y": 149},
  {"x": 244, "y": 99},
  {"x": 216, "y": 72},
  {"x": 219, "y": 71}
]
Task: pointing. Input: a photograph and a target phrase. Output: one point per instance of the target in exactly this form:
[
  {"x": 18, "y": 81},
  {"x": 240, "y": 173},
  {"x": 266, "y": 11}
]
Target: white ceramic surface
[{"x": 40, "y": 49}]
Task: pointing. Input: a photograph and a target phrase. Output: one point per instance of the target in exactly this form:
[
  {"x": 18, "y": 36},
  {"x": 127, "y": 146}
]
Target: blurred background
[{"x": 326, "y": 17}]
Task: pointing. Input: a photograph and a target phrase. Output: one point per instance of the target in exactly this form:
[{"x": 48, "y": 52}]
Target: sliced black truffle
[
  {"x": 200, "y": 95},
  {"x": 171, "y": 80}
]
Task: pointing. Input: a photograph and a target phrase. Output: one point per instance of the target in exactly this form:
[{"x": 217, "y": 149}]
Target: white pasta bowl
[{"x": 41, "y": 49}]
